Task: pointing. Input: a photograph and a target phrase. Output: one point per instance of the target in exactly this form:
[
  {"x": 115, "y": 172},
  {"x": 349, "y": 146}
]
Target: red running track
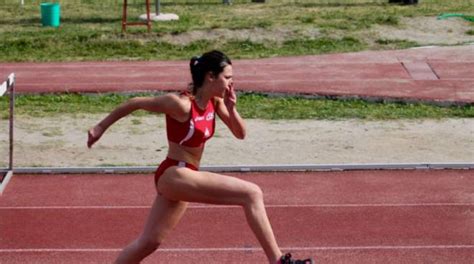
[
  {"x": 424, "y": 216},
  {"x": 439, "y": 74}
]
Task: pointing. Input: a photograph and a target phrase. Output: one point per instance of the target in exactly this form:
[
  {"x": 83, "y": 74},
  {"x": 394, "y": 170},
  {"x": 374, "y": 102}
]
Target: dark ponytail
[{"x": 213, "y": 61}]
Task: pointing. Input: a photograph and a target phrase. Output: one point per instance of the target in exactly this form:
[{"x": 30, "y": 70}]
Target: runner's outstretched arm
[{"x": 169, "y": 104}]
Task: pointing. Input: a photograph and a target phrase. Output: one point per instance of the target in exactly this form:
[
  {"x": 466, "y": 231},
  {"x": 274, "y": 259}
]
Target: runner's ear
[{"x": 210, "y": 76}]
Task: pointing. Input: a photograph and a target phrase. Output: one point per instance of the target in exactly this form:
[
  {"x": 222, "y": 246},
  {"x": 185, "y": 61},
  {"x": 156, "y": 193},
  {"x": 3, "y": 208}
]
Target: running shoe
[{"x": 286, "y": 259}]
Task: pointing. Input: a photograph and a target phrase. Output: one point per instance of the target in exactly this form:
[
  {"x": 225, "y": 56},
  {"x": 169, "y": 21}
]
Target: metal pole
[{"x": 157, "y": 7}]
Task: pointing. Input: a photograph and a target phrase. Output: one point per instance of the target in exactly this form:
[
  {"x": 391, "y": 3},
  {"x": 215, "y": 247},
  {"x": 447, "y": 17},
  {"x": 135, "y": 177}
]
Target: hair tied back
[{"x": 196, "y": 60}]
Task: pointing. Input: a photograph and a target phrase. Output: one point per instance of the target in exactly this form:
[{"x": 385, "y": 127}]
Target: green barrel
[{"x": 50, "y": 14}]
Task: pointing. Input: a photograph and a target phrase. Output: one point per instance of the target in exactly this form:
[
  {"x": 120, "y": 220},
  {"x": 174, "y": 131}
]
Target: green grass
[
  {"x": 249, "y": 105},
  {"x": 90, "y": 29}
]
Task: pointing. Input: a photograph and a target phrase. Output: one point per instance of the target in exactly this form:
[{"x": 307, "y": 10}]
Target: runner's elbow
[{"x": 133, "y": 104}]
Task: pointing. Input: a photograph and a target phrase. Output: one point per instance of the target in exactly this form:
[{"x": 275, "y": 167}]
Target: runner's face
[{"x": 224, "y": 81}]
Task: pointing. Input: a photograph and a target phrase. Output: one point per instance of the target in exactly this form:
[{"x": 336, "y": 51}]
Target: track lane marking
[
  {"x": 235, "y": 249},
  {"x": 234, "y": 206}
]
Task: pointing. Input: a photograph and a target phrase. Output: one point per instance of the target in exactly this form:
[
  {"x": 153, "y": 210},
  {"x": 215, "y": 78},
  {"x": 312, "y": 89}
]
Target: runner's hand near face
[{"x": 230, "y": 98}]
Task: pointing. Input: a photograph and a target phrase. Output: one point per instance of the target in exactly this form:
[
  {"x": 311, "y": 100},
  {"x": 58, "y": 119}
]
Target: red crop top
[{"x": 196, "y": 130}]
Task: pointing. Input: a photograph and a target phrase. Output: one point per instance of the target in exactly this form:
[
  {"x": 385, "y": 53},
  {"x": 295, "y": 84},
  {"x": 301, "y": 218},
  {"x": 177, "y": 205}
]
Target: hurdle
[{"x": 8, "y": 87}]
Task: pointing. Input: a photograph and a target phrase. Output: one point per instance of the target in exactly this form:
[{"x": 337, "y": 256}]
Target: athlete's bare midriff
[{"x": 187, "y": 154}]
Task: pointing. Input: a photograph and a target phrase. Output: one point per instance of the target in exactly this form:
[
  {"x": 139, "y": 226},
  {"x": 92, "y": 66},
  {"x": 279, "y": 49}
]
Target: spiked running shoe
[{"x": 286, "y": 259}]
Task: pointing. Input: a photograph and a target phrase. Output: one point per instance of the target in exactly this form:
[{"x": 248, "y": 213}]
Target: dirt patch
[
  {"x": 61, "y": 142},
  {"x": 256, "y": 35},
  {"x": 427, "y": 31},
  {"x": 422, "y": 30}
]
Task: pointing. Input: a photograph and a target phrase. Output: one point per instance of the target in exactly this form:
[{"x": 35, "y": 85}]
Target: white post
[{"x": 11, "y": 86}]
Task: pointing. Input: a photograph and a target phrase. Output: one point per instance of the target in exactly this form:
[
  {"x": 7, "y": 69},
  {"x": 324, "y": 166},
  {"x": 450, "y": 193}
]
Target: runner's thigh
[{"x": 205, "y": 187}]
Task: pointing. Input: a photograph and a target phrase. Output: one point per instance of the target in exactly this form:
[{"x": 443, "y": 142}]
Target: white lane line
[
  {"x": 236, "y": 249},
  {"x": 233, "y": 206}
]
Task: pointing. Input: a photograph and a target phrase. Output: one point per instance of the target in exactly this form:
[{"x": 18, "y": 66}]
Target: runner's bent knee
[{"x": 254, "y": 193}]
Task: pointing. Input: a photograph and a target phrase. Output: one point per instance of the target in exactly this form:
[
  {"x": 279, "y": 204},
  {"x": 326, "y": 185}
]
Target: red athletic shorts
[{"x": 169, "y": 163}]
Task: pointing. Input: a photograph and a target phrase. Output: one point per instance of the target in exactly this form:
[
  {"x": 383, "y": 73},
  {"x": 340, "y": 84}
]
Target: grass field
[
  {"x": 250, "y": 106},
  {"x": 91, "y": 29}
]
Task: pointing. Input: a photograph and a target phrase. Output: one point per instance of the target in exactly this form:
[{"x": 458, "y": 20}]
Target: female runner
[{"x": 190, "y": 122}]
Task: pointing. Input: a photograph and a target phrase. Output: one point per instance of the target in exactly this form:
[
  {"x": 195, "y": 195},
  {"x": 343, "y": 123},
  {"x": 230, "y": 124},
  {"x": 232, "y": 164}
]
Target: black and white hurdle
[{"x": 8, "y": 87}]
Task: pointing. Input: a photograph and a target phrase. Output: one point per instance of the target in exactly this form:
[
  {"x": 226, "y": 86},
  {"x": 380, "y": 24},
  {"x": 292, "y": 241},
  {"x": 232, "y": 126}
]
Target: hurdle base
[{"x": 160, "y": 17}]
